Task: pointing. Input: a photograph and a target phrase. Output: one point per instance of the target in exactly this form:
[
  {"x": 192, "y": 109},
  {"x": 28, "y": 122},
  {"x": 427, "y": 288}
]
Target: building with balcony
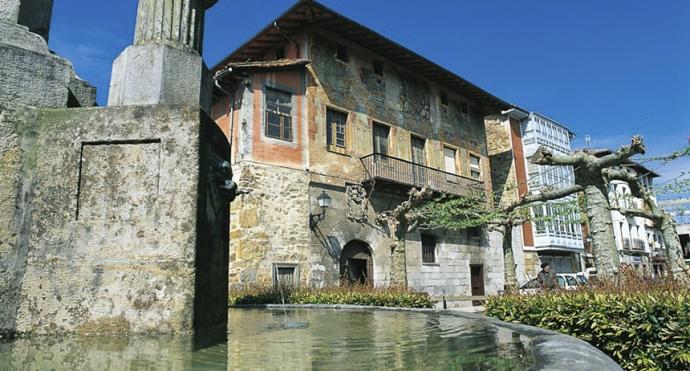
[
  {"x": 555, "y": 234},
  {"x": 316, "y": 104}
]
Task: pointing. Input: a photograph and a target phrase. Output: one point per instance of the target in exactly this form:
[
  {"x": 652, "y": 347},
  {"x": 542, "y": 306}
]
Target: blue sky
[{"x": 607, "y": 69}]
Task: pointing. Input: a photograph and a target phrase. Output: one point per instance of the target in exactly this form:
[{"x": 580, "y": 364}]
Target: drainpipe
[
  {"x": 275, "y": 24},
  {"x": 231, "y": 109}
]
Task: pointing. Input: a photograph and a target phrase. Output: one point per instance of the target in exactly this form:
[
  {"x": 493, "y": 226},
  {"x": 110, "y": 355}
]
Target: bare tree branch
[
  {"x": 544, "y": 156},
  {"x": 638, "y": 212},
  {"x": 623, "y": 153},
  {"x": 544, "y": 196}
]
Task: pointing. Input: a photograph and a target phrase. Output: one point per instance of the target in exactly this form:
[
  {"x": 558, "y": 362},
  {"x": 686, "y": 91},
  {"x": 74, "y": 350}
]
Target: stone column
[
  {"x": 29, "y": 73},
  {"x": 164, "y": 64},
  {"x": 9, "y": 10},
  {"x": 36, "y": 15}
]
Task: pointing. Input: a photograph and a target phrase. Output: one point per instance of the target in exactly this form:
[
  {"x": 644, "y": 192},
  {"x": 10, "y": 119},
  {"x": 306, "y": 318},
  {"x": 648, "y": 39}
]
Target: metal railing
[
  {"x": 626, "y": 244},
  {"x": 396, "y": 170}
]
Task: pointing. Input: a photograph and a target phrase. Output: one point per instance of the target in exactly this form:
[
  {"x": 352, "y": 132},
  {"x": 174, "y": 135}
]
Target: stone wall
[
  {"x": 128, "y": 230},
  {"x": 17, "y": 159},
  {"x": 450, "y": 275},
  {"x": 269, "y": 225},
  {"x": 399, "y": 98}
]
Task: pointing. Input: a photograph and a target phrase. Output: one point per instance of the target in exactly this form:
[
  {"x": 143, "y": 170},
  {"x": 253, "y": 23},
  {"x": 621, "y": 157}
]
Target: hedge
[
  {"x": 354, "y": 295},
  {"x": 638, "y": 326}
]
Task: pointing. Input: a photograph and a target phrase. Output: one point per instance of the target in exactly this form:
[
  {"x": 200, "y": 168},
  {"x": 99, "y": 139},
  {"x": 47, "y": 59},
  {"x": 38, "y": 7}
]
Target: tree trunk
[
  {"x": 511, "y": 284},
  {"x": 398, "y": 263},
  {"x": 601, "y": 228},
  {"x": 674, "y": 251}
]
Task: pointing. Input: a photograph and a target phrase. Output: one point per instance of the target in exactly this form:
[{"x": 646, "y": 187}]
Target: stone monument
[
  {"x": 164, "y": 64},
  {"x": 29, "y": 72},
  {"x": 113, "y": 219}
]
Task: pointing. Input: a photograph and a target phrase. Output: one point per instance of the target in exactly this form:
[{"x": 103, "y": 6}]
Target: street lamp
[{"x": 324, "y": 201}]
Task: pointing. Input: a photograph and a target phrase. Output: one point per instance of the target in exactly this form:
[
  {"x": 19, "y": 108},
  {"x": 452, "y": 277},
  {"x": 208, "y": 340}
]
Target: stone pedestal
[
  {"x": 127, "y": 224},
  {"x": 159, "y": 74},
  {"x": 164, "y": 64}
]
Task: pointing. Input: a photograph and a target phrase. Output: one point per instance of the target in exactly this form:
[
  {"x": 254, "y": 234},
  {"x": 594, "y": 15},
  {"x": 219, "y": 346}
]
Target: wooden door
[{"x": 477, "y": 281}]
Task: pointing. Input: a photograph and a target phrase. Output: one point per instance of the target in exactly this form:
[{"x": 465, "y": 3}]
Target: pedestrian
[{"x": 546, "y": 278}]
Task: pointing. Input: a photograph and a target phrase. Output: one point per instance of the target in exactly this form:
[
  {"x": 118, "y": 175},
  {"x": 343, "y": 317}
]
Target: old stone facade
[
  {"x": 112, "y": 219},
  {"x": 306, "y": 116}
]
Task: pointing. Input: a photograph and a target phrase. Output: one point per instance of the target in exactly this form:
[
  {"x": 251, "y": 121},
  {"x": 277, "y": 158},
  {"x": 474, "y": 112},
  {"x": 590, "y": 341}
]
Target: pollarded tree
[
  {"x": 590, "y": 175},
  {"x": 664, "y": 220},
  {"x": 399, "y": 222}
]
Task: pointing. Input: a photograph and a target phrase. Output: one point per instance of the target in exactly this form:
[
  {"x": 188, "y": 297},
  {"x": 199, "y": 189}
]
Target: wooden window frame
[
  {"x": 283, "y": 116},
  {"x": 471, "y": 167},
  {"x": 375, "y": 123},
  {"x": 331, "y": 132},
  {"x": 295, "y": 272}
]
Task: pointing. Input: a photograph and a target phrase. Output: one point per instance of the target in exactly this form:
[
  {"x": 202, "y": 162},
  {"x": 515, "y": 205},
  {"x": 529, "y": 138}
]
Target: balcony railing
[
  {"x": 396, "y": 170},
  {"x": 626, "y": 244}
]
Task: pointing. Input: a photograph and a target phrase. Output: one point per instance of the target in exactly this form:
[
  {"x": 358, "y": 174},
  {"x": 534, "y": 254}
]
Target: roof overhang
[{"x": 307, "y": 13}]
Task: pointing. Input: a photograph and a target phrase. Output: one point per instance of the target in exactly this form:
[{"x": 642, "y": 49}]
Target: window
[
  {"x": 285, "y": 275},
  {"x": 444, "y": 99},
  {"x": 475, "y": 168},
  {"x": 341, "y": 53},
  {"x": 449, "y": 159},
  {"x": 428, "y": 248},
  {"x": 378, "y": 67},
  {"x": 280, "y": 52},
  {"x": 381, "y": 133},
  {"x": 463, "y": 108},
  {"x": 335, "y": 128},
  {"x": 572, "y": 281},
  {"x": 278, "y": 115},
  {"x": 474, "y": 233},
  {"x": 539, "y": 219}
]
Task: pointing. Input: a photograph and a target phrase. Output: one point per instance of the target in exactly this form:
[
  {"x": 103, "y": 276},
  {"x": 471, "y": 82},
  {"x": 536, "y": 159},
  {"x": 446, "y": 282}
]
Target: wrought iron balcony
[
  {"x": 626, "y": 244},
  {"x": 409, "y": 174}
]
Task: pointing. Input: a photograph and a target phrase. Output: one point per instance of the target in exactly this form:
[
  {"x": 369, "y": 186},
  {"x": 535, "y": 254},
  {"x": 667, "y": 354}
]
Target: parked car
[
  {"x": 530, "y": 287},
  {"x": 567, "y": 281}
]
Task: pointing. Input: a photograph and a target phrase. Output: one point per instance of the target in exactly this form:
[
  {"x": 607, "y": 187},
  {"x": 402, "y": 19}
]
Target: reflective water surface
[{"x": 291, "y": 339}]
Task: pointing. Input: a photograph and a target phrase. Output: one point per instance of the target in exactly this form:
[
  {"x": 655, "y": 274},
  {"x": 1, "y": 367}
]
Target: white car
[{"x": 567, "y": 281}]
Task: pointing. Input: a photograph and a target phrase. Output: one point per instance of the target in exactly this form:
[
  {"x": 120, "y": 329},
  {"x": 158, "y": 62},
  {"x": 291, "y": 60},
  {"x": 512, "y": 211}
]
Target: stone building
[
  {"x": 555, "y": 236},
  {"x": 318, "y": 104}
]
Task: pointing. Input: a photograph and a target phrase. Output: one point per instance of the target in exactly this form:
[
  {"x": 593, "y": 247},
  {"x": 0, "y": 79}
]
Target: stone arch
[{"x": 356, "y": 264}]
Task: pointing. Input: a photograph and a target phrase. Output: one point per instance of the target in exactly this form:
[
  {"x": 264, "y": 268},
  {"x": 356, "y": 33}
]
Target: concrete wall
[{"x": 128, "y": 231}]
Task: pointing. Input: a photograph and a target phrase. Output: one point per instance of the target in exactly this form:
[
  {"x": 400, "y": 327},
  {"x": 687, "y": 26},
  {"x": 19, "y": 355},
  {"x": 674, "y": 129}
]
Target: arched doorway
[{"x": 356, "y": 265}]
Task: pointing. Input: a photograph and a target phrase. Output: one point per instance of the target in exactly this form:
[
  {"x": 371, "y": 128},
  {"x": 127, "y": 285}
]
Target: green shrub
[
  {"x": 355, "y": 295},
  {"x": 639, "y": 324}
]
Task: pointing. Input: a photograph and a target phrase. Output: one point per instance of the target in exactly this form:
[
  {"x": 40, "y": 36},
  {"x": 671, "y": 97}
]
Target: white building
[
  {"x": 554, "y": 235},
  {"x": 556, "y": 229}
]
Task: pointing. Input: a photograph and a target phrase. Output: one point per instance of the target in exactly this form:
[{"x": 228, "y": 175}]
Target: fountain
[{"x": 130, "y": 310}]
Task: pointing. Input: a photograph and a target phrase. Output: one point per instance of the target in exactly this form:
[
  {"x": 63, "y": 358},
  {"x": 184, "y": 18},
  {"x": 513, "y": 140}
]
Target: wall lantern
[{"x": 324, "y": 201}]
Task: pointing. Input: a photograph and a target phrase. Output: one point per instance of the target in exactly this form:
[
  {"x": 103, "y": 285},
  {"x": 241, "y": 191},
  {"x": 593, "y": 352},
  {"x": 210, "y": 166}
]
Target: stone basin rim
[{"x": 551, "y": 350}]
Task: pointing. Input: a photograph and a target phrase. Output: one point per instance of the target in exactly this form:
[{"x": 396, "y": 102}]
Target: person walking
[{"x": 546, "y": 278}]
